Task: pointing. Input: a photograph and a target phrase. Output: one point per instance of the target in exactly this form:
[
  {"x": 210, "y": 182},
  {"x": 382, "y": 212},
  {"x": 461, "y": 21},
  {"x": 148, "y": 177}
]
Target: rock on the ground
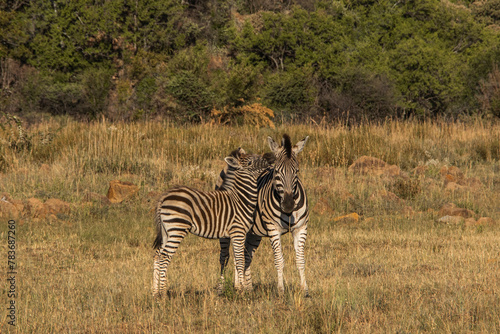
[
  {"x": 486, "y": 221},
  {"x": 453, "y": 186},
  {"x": 450, "y": 209},
  {"x": 366, "y": 165},
  {"x": 120, "y": 190},
  {"x": 386, "y": 195},
  {"x": 35, "y": 208},
  {"x": 56, "y": 206},
  {"x": 454, "y": 173},
  {"x": 352, "y": 217},
  {"x": 50, "y": 209},
  {"x": 10, "y": 208},
  {"x": 323, "y": 207}
]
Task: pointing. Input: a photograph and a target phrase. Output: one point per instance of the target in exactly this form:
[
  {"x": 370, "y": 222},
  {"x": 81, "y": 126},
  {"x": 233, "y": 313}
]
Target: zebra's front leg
[
  {"x": 238, "y": 240},
  {"x": 299, "y": 242},
  {"x": 223, "y": 259},
  {"x": 278, "y": 260},
  {"x": 252, "y": 242}
]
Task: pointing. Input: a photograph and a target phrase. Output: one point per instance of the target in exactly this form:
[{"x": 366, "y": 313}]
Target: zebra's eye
[{"x": 249, "y": 162}]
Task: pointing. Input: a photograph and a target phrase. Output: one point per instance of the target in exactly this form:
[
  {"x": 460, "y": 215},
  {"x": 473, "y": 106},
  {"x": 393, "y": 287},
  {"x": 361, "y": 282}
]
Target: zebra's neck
[
  {"x": 227, "y": 178},
  {"x": 244, "y": 189}
]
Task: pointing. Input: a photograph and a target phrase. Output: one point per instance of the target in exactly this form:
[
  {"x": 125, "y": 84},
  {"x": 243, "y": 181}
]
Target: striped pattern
[
  {"x": 281, "y": 208},
  {"x": 224, "y": 213}
]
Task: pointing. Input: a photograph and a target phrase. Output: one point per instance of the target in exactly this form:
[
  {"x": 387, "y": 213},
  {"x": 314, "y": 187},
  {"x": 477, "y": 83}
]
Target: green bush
[
  {"x": 191, "y": 99},
  {"x": 365, "y": 59},
  {"x": 95, "y": 83},
  {"x": 290, "y": 91}
]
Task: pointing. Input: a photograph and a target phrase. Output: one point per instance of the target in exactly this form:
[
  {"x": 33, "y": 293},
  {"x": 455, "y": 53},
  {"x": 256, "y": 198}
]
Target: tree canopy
[{"x": 356, "y": 59}]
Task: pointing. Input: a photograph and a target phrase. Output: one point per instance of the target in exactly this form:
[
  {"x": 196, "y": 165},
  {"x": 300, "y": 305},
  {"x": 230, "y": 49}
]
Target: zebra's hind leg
[
  {"x": 161, "y": 261},
  {"x": 163, "y": 257},
  {"x": 252, "y": 242},
  {"x": 225, "y": 243}
]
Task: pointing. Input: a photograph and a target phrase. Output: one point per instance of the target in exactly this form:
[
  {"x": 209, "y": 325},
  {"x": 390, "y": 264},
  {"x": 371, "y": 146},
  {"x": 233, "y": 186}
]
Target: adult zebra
[
  {"x": 281, "y": 208},
  {"x": 224, "y": 213}
]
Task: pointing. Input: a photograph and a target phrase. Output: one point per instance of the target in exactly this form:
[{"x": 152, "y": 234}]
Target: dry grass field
[{"x": 393, "y": 268}]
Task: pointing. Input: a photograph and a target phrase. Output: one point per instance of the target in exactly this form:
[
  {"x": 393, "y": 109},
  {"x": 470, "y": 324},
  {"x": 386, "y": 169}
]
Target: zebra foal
[
  {"x": 222, "y": 213},
  {"x": 282, "y": 207}
]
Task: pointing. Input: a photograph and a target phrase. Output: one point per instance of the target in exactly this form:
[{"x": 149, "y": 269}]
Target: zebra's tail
[{"x": 159, "y": 235}]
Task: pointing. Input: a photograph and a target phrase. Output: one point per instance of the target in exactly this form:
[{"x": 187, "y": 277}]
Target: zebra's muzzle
[{"x": 287, "y": 203}]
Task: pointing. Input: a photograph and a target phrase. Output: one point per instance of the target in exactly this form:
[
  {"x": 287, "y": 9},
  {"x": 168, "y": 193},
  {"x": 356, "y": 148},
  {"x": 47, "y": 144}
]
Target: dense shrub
[{"x": 362, "y": 60}]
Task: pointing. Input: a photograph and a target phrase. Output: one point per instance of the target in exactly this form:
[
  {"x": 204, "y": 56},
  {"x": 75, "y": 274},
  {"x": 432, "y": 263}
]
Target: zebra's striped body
[
  {"x": 226, "y": 213},
  {"x": 281, "y": 207}
]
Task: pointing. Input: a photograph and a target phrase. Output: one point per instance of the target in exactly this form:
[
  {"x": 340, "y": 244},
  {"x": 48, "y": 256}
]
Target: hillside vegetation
[
  {"x": 190, "y": 60},
  {"x": 391, "y": 265}
]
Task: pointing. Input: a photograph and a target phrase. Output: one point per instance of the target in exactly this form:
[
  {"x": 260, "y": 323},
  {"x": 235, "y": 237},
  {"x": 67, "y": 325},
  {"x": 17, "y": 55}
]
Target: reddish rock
[
  {"x": 486, "y": 221},
  {"x": 451, "y": 209},
  {"x": 385, "y": 196},
  {"x": 352, "y": 217},
  {"x": 35, "y": 208},
  {"x": 56, "y": 206},
  {"x": 7, "y": 209},
  {"x": 323, "y": 207},
  {"x": 473, "y": 183},
  {"x": 50, "y": 209},
  {"x": 453, "y": 187},
  {"x": 449, "y": 178},
  {"x": 470, "y": 222},
  {"x": 453, "y": 171},
  {"x": 119, "y": 191},
  {"x": 373, "y": 166},
  {"x": 5, "y": 197}
]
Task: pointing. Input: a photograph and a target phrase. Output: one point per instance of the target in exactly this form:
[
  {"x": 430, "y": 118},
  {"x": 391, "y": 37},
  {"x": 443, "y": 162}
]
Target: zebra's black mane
[
  {"x": 287, "y": 145},
  {"x": 235, "y": 153}
]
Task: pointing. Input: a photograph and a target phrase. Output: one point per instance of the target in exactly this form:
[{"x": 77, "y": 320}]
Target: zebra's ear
[
  {"x": 232, "y": 162},
  {"x": 272, "y": 144},
  {"x": 300, "y": 145}
]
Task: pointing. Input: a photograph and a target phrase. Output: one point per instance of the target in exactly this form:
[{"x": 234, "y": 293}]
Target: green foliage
[
  {"x": 194, "y": 98},
  {"x": 96, "y": 83},
  {"x": 488, "y": 11},
  {"x": 366, "y": 59},
  {"x": 292, "y": 90}
]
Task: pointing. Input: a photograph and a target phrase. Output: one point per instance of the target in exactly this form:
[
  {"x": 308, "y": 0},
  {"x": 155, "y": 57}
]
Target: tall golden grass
[{"x": 396, "y": 270}]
